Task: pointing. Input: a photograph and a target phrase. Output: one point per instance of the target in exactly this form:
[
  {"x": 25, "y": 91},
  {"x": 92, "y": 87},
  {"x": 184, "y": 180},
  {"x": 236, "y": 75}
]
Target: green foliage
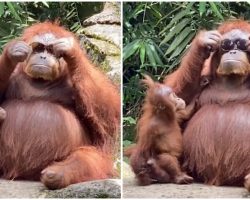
[
  {"x": 15, "y": 16},
  {"x": 157, "y": 35}
]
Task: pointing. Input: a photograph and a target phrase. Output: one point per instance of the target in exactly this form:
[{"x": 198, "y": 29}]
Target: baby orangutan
[{"x": 159, "y": 139}]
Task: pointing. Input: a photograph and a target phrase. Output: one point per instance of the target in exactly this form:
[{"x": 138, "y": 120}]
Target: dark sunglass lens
[
  {"x": 242, "y": 45},
  {"x": 38, "y": 47},
  {"x": 227, "y": 45},
  {"x": 49, "y": 49}
]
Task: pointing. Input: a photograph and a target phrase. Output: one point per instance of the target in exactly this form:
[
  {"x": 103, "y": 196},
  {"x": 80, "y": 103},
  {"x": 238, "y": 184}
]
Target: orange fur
[
  {"x": 189, "y": 74},
  {"x": 158, "y": 137},
  {"x": 73, "y": 120},
  {"x": 234, "y": 24},
  {"x": 216, "y": 147},
  {"x": 84, "y": 164}
]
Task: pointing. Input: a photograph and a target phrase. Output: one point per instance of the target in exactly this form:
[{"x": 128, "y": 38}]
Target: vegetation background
[
  {"x": 15, "y": 16},
  {"x": 156, "y": 35}
]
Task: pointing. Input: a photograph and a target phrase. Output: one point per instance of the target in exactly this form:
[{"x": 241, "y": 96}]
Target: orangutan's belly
[
  {"x": 217, "y": 143},
  {"x": 34, "y": 134}
]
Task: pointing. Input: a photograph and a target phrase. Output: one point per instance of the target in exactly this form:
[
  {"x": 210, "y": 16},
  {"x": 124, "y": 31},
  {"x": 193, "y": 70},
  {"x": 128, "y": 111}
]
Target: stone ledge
[
  {"x": 195, "y": 190},
  {"x": 109, "y": 188}
]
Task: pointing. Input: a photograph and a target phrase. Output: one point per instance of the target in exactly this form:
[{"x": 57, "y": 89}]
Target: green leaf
[
  {"x": 158, "y": 49},
  {"x": 127, "y": 24},
  {"x": 18, "y": 7},
  {"x": 156, "y": 12},
  {"x": 175, "y": 30},
  {"x": 129, "y": 120},
  {"x": 189, "y": 5},
  {"x": 222, "y": 6},
  {"x": 215, "y": 10},
  {"x": 75, "y": 25},
  {"x": 1, "y": 8},
  {"x": 126, "y": 143},
  {"x": 13, "y": 11},
  {"x": 137, "y": 11},
  {"x": 150, "y": 56},
  {"x": 182, "y": 46},
  {"x": 177, "y": 17},
  {"x": 130, "y": 49},
  {"x": 45, "y": 3},
  {"x": 178, "y": 39},
  {"x": 202, "y": 8},
  {"x": 169, "y": 14},
  {"x": 3, "y": 32},
  {"x": 142, "y": 53},
  {"x": 70, "y": 13},
  {"x": 155, "y": 54}
]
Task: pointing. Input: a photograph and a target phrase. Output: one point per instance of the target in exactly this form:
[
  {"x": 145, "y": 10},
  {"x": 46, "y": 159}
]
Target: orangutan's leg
[
  {"x": 84, "y": 164},
  {"x": 171, "y": 165}
]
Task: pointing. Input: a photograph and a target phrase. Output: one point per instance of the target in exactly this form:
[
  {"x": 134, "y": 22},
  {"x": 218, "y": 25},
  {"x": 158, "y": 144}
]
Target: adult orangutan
[
  {"x": 62, "y": 112},
  {"x": 217, "y": 137}
]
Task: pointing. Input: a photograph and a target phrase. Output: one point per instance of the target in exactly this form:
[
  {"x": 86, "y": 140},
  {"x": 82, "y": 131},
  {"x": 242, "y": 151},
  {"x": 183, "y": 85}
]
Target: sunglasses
[
  {"x": 39, "y": 47},
  {"x": 240, "y": 44}
]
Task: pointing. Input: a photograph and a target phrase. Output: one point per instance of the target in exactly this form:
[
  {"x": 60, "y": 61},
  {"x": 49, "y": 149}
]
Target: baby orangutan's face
[
  {"x": 160, "y": 94},
  {"x": 178, "y": 102},
  {"x": 167, "y": 92}
]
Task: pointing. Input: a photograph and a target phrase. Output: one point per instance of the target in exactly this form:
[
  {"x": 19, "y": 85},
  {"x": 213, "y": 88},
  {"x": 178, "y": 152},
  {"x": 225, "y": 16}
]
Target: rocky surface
[
  {"x": 102, "y": 39},
  {"x": 21, "y": 189},
  {"x": 109, "y": 188},
  {"x": 109, "y": 15},
  {"x": 195, "y": 190}
]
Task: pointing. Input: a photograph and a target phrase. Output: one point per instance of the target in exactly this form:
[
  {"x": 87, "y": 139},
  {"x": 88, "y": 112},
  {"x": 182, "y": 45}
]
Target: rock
[
  {"x": 101, "y": 38},
  {"x": 109, "y": 15},
  {"x": 127, "y": 171},
  {"x": 21, "y": 189},
  {"x": 195, "y": 190},
  {"x": 94, "y": 53},
  {"x": 109, "y": 188},
  {"x": 105, "y": 32},
  {"x": 107, "y": 49},
  {"x": 115, "y": 63}
]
